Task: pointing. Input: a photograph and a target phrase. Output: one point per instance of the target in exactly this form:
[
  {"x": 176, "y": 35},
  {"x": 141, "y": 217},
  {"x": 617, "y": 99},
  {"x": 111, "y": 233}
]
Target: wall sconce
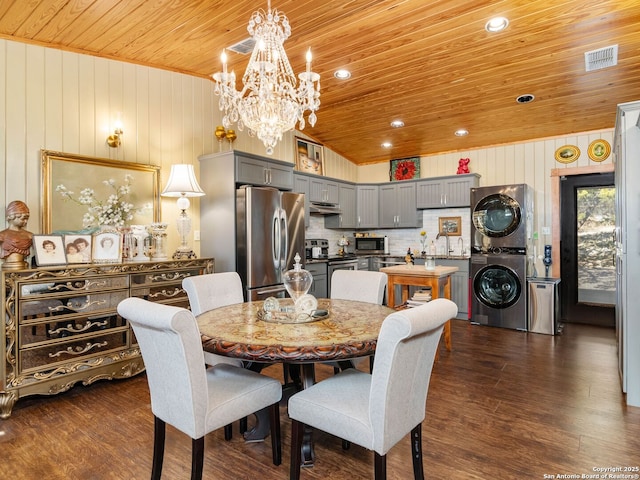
[
  {"x": 114, "y": 140},
  {"x": 221, "y": 134},
  {"x": 183, "y": 184}
]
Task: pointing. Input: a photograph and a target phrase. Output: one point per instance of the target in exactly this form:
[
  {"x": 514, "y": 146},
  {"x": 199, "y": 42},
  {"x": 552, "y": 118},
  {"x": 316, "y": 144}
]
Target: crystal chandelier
[{"x": 269, "y": 103}]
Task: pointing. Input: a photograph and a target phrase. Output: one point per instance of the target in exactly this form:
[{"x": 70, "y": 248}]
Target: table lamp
[{"x": 183, "y": 184}]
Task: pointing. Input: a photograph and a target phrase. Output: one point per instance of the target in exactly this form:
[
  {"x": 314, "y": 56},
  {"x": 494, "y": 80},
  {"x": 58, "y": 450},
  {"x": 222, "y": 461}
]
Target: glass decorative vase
[
  {"x": 158, "y": 241},
  {"x": 297, "y": 281}
]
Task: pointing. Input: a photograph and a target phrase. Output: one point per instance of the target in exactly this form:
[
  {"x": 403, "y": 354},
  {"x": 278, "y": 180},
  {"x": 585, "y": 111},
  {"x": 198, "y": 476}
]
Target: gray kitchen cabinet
[
  {"x": 367, "y": 211},
  {"x": 446, "y": 192},
  {"x": 323, "y": 190},
  {"x": 459, "y": 285},
  {"x": 363, "y": 263},
  {"x": 397, "y": 205},
  {"x": 301, "y": 185},
  {"x": 347, "y": 202},
  {"x": 319, "y": 285},
  {"x": 255, "y": 170}
]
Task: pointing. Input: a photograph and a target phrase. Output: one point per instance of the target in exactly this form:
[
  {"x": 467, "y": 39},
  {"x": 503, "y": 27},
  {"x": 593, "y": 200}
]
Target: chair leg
[
  {"x": 197, "y": 458},
  {"x": 228, "y": 432},
  {"x": 297, "y": 431},
  {"x": 416, "y": 452},
  {"x": 276, "y": 442},
  {"x": 243, "y": 425},
  {"x": 159, "y": 428},
  {"x": 380, "y": 466}
]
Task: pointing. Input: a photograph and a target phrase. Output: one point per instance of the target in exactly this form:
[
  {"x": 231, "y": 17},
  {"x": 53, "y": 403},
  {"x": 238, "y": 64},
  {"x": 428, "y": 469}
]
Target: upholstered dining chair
[
  {"x": 359, "y": 285},
  {"x": 377, "y": 410},
  {"x": 184, "y": 393},
  {"x": 210, "y": 291}
]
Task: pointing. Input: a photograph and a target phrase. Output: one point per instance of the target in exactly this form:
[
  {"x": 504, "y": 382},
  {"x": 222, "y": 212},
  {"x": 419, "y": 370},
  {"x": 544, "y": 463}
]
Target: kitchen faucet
[{"x": 447, "y": 247}]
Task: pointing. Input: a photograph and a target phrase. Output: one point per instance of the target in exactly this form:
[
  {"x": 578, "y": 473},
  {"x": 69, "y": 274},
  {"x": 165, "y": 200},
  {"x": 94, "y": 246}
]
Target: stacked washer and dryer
[{"x": 501, "y": 236}]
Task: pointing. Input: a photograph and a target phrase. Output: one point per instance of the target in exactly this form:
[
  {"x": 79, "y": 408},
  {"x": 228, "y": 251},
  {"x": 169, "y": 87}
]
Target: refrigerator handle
[
  {"x": 275, "y": 241},
  {"x": 284, "y": 240}
]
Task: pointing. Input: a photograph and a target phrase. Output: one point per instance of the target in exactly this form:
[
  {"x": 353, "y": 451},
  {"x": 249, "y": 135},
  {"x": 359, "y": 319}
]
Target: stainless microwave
[{"x": 373, "y": 245}]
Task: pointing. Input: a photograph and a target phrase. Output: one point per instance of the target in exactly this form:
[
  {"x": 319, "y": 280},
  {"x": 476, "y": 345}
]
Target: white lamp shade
[{"x": 182, "y": 182}]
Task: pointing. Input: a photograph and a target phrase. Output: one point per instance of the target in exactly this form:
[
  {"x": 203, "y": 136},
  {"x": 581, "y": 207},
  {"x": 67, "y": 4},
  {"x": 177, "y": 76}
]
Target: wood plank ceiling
[{"x": 429, "y": 63}]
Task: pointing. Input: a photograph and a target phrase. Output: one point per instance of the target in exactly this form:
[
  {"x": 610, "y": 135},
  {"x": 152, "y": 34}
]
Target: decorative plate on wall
[
  {"x": 567, "y": 154},
  {"x": 599, "y": 150}
]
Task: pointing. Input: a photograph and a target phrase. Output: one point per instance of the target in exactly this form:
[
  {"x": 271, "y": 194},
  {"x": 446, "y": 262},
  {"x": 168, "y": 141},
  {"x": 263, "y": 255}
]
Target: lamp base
[{"x": 184, "y": 255}]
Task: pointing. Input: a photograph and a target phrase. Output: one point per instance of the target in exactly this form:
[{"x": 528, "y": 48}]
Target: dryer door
[
  {"x": 497, "y": 215},
  {"x": 497, "y": 286}
]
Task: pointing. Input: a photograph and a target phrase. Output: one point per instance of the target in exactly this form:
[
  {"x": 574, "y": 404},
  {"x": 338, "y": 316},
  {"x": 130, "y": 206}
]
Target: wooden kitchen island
[{"x": 439, "y": 279}]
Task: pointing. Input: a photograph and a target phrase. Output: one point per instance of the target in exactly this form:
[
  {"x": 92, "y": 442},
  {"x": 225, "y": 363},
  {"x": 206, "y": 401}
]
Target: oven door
[{"x": 339, "y": 265}]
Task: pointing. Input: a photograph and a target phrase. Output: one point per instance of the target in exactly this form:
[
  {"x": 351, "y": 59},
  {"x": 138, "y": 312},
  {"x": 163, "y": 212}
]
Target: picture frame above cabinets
[
  {"x": 309, "y": 156},
  {"x": 404, "y": 169}
]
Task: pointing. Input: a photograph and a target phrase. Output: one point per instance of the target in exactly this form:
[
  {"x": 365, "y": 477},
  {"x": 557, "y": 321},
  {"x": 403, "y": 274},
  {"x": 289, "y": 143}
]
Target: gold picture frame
[
  {"x": 599, "y": 150},
  {"x": 567, "y": 154},
  {"x": 309, "y": 156},
  {"x": 77, "y": 172},
  {"x": 451, "y": 226}
]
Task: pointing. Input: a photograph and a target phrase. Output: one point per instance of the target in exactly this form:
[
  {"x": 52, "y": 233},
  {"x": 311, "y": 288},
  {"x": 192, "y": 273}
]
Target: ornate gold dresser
[{"x": 60, "y": 325}]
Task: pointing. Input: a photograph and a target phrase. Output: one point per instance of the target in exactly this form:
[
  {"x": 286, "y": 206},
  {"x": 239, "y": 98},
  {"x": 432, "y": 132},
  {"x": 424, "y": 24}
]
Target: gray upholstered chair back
[
  {"x": 213, "y": 290},
  {"x": 359, "y": 285},
  {"x": 172, "y": 351},
  {"x": 405, "y": 353}
]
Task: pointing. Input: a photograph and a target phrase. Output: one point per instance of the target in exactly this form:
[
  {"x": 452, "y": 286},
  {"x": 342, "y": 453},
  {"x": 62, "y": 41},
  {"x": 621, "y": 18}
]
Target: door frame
[{"x": 556, "y": 173}]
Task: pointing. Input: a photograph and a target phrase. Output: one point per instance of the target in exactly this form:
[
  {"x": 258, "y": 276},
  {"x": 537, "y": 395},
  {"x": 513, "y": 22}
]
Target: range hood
[{"x": 320, "y": 208}]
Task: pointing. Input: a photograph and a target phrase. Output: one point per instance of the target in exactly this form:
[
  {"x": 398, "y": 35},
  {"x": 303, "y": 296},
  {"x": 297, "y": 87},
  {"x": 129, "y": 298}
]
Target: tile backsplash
[{"x": 402, "y": 238}]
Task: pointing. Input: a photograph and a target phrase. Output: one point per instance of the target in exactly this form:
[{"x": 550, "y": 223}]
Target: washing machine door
[
  {"x": 497, "y": 286},
  {"x": 497, "y": 215}
]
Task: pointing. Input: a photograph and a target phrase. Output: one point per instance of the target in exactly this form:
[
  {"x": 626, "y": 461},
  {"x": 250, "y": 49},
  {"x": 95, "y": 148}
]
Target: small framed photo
[
  {"x": 450, "y": 225},
  {"x": 404, "y": 169},
  {"x": 49, "y": 250},
  {"x": 78, "y": 248},
  {"x": 107, "y": 247},
  {"x": 309, "y": 156}
]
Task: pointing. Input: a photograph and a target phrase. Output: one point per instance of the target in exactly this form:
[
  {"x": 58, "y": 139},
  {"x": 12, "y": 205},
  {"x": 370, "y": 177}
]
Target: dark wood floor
[{"x": 502, "y": 405}]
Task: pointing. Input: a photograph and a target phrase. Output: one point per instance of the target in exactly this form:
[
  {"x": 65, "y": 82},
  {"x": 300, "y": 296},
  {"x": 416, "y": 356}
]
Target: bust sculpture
[{"x": 15, "y": 241}]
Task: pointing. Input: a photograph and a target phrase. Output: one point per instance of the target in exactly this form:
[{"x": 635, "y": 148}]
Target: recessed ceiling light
[
  {"x": 397, "y": 123},
  {"x": 461, "y": 132},
  {"x": 342, "y": 74},
  {"x": 386, "y": 145},
  {"x": 526, "y": 98},
  {"x": 496, "y": 24}
]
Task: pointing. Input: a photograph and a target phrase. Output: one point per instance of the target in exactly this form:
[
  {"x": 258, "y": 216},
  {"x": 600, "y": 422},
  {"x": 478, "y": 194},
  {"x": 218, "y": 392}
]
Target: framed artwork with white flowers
[{"x": 81, "y": 193}]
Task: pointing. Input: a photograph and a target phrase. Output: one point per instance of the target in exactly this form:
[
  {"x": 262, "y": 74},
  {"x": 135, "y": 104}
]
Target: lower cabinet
[
  {"x": 459, "y": 285},
  {"x": 319, "y": 286},
  {"x": 60, "y": 325}
]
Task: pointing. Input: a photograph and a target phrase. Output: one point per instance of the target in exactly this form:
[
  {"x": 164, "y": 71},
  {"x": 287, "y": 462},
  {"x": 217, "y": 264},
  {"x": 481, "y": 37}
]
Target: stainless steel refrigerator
[{"x": 269, "y": 233}]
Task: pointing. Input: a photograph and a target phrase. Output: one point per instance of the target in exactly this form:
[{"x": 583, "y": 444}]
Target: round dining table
[
  {"x": 341, "y": 330},
  {"x": 348, "y": 330}
]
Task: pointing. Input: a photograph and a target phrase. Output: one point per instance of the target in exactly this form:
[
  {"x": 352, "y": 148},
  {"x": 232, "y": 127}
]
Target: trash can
[{"x": 544, "y": 305}]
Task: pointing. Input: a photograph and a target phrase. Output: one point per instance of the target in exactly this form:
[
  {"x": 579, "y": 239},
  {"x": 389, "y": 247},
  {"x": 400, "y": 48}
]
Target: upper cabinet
[
  {"x": 446, "y": 192},
  {"x": 261, "y": 171},
  {"x": 301, "y": 185},
  {"x": 347, "y": 202},
  {"x": 397, "y": 204},
  {"x": 367, "y": 215},
  {"x": 323, "y": 191}
]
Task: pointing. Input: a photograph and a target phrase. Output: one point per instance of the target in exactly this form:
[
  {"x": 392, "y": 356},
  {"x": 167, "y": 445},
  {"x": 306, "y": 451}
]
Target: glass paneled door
[{"x": 587, "y": 249}]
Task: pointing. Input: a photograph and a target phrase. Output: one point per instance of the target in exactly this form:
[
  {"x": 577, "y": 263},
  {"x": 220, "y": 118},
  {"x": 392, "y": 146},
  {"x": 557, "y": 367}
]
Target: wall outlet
[
  {"x": 546, "y": 230},
  {"x": 196, "y": 235}
]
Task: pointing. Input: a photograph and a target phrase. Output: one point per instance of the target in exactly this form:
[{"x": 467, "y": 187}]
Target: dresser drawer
[
  {"x": 46, "y": 329},
  {"x": 66, "y": 288},
  {"x": 166, "y": 293},
  {"x": 47, "y": 356},
  {"x": 175, "y": 276}
]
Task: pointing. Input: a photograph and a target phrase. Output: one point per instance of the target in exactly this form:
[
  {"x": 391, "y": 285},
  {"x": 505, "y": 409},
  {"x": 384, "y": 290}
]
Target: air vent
[
  {"x": 243, "y": 47},
  {"x": 601, "y": 58}
]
